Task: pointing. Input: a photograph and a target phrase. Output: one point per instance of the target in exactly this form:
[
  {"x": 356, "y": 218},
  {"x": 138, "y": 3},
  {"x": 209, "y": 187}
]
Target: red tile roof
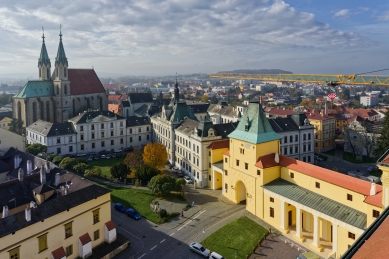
[
  {"x": 114, "y": 108},
  {"x": 117, "y": 97},
  {"x": 59, "y": 253},
  {"x": 227, "y": 153},
  {"x": 266, "y": 161},
  {"x": 316, "y": 116},
  {"x": 385, "y": 160},
  {"x": 219, "y": 144},
  {"x": 110, "y": 225},
  {"x": 84, "y": 81},
  {"x": 114, "y": 87},
  {"x": 85, "y": 239},
  {"x": 364, "y": 113},
  {"x": 377, "y": 244},
  {"x": 280, "y": 112}
]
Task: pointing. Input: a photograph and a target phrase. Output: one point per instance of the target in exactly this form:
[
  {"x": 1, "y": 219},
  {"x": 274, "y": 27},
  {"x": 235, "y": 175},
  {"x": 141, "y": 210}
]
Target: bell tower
[{"x": 44, "y": 64}]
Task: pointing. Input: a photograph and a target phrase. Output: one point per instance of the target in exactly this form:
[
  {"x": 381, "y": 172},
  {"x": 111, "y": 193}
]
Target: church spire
[
  {"x": 44, "y": 57},
  {"x": 176, "y": 91},
  {"x": 61, "y": 57}
]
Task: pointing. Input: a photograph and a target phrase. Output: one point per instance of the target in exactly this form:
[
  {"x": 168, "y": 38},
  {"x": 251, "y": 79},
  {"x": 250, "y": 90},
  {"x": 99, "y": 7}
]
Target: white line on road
[
  {"x": 199, "y": 214},
  {"x": 185, "y": 224},
  {"x": 141, "y": 256},
  {"x": 191, "y": 220},
  {"x": 163, "y": 240},
  {"x": 171, "y": 234},
  {"x": 153, "y": 247}
]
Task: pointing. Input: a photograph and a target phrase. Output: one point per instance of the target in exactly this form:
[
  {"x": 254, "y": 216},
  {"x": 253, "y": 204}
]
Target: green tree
[
  {"x": 57, "y": 159},
  {"x": 383, "y": 140},
  {"x": 145, "y": 172},
  {"x": 204, "y": 98},
  {"x": 134, "y": 159},
  {"x": 93, "y": 171},
  {"x": 67, "y": 163},
  {"x": 345, "y": 95},
  {"x": 155, "y": 154},
  {"x": 180, "y": 183},
  {"x": 50, "y": 157},
  {"x": 16, "y": 126},
  {"x": 36, "y": 148},
  {"x": 119, "y": 170},
  {"x": 80, "y": 167},
  {"x": 162, "y": 184}
]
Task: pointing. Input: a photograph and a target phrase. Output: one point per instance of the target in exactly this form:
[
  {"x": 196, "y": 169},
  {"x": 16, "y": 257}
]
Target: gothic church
[{"x": 61, "y": 95}]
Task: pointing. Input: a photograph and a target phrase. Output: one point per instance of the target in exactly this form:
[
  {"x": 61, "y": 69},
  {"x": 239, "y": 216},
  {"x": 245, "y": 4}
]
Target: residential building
[
  {"x": 60, "y": 94},
  {"x": 99, "y": 130},
  {"x": 199, "y": 109},
  {"x": 324, "y": 130},
  {"x": 297, "y": 136},
  {"x": 4, "y": 123},
  {"x": 52, "y": 213},
  {"x": 59, "y": 138},
  {"x": 369, "y": 114},
  {"x": 138, "y": 131},
  {"x": 9, "y": 139},
  {"x": 319, "y": 208},
  {"x": 369, "y": 100},
  {"x": 138, "y": 104},
  {"x": 222, "y": 113}
]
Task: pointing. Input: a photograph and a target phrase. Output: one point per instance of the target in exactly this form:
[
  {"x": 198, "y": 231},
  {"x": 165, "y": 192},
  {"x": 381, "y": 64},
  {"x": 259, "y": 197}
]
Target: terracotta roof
[
  {"x": 280, "y": 112},
  {"x": 59, "y": 253},
  {"x": 84, "y": 81},
  {"x": 266, "y": 161},
  {"x": 219, "y": 144},
  {"x": 364, "y": 113},
  {"x": 111, "y": 86},
  {"x": 376, "y": 246},
  {"x": 85, "y": 239},
  {"x": 114, "y": 108},
  {"x": 316, "y": 116},
  {"x": 227, "y": 153},
  {"x": 385, "y": 160},
  {"x": 117, "y": 97},
  {"x": 110, "y": 225}
]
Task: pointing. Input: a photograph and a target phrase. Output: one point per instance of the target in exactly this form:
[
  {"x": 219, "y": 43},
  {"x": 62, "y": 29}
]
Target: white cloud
[
  {"x": 169, "y": 33},
  {"x": 384, "y": 16},
  {"x": 342, "y": 13}
]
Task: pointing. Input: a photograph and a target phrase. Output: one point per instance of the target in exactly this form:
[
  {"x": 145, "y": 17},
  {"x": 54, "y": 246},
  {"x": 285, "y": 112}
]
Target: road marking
[
  {"x": 162, "y": 241},
  {"x": 153, "y": 247},
  {"x": 141, "y": 256},
  {"x": 199, "y": 214},
  {"x": 171, "y": 234},
  {"x": 185, "y": 225}
]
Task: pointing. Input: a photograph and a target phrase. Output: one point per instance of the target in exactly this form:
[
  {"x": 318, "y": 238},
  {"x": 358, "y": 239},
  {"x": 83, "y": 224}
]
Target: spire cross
[
  {"x": 60, "y": 31},
  {"x": 43, "y": 34}
]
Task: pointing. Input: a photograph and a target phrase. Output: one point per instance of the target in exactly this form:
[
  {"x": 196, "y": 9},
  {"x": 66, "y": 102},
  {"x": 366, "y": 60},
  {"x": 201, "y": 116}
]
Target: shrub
[
  {"x": 145, "y": 172},
  {"x": 57, "y": 159},
  {"x": 162, "y": 213},
  {"x": 50, "y": 157},
  {"x": 80, "y": 167},
  {"x": 93, "y": 171},
  {"x": 67, "y": 163}
]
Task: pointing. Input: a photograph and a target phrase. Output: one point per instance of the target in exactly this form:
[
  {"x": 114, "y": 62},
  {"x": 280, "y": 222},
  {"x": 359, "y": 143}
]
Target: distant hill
[{"x": 258, "y": 71}]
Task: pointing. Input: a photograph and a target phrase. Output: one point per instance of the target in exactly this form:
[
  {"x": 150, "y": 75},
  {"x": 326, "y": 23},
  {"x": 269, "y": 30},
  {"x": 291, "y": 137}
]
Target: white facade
[
  {"x": 163, "y": 132},
  {"x": 138, "y": 135},
  {"x": 370, "y": 100},
  {"x": 298, "y": 144}
]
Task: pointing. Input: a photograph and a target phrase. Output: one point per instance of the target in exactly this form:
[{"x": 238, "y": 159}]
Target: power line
[{"x": 373, "y": 71}]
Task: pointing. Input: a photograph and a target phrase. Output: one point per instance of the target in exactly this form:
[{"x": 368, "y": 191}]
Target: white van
[{"x": 215, "y": 255}]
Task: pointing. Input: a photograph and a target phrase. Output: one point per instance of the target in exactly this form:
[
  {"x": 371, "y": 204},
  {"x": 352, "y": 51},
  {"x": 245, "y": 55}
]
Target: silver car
[{"x": 198, "y": 248}]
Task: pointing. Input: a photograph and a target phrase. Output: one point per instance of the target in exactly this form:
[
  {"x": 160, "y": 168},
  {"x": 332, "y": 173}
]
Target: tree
[
  {"x": 36, "y": 148},
  {"x": 93, "y": 171},
  {"x": 119, "y": 170},
  {"x": 180, "y": 183},
  {"x": 80, "y": 167},
  {"x": 16, "y": 126},
  {"x": 133, "y": 160},
  {"x": 162, "y": 184},
  {"x": 155, "y": 154},
  {"x": 204, "y": 98},
  {"x": 67, "y": 163},
  {"x": 57, "y": 159},
  {"x": 360, "y": 137},
  {"x": 145, "y": 172},
  {"x": 50, "y": 157},
  {"x": 383, "y": 140}
]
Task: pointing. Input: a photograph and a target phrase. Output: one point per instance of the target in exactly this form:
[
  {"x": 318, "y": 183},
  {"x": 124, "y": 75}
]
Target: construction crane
[{"x": 331, "y": 80}]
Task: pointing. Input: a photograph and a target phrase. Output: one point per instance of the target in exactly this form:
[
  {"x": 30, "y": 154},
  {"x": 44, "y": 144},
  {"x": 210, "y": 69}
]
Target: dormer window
[{"x": 211, "y": 132}]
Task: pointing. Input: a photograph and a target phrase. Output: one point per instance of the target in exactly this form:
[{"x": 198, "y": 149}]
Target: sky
[{"x": 157, "y": 37}]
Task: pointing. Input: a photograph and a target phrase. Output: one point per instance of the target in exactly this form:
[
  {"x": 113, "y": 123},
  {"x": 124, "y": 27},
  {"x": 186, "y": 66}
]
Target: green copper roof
[
  {"x": 44, "y": 57},
  {"x": 180, "y": 111},
  {"x": 254, "y": 126},
  {"x": 318, "y": 202},
  {"x": 61, "y": 57},
  {"x": 36, "y": 89}
]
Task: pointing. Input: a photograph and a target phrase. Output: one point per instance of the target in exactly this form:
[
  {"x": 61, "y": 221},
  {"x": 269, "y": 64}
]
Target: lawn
[
  {"x": 105, "y": 165},
  {"x": 239, "y": 236},
  {"x": 351, "y": 158},
  {"x": 137, "y": 199}
]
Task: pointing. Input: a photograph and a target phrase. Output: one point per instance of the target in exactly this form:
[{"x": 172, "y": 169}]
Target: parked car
[
  {"x": 119, "y": 155},
  {"x": 129, "y": 149},
  {"x": 113, "y": 155},
  {"x": 93, "y": 153},
  {"x": 96, "y": 157},
  {"x": 108, "y": 156},
  {"x": 215, "y": 255},
  {"x": 117, "y": 151},
  {"x": 120, "y": 207},
  {"x": 318, "y": 158},
  {"x": 188, "y": 179},
  {"x": 372, "y": 168},
  {"x": 180, "y": 174},
  {"x": 175, "y": 169},
  {"x": 90, "y": 158},
  {"x": 80, "y": 154},
  {"x": 198, "y": 248},
  {"x": 102, "y": 156},
  {"x": 133, "y": 214}
]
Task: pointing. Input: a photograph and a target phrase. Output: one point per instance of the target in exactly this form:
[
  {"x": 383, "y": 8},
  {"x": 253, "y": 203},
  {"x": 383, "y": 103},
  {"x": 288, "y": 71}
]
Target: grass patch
[
  {"x": 330, "y": 152},
  {"x": 351, "y": 158},
  {"x": 105, "y": 165},
  {"x": 137, "y": 199},
  {"x": 239, "y": 236}
]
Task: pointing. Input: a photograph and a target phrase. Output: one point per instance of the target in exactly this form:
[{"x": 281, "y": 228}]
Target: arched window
[
  {"x": 47, "y": 111},
  {"x": 34, "y": 112},
  {"x": 19, "y": 111},
  {"x": 41, "y": 108},
  {"x": 48, "y": 73},
  {"x": 56, "y": 71},
  {"x": 57, "y": 90},
  {"x": 66, "y": 89},
  {"x": 64, "y": 71}
]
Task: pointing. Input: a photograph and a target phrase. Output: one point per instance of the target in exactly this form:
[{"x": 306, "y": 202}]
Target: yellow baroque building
[{"x": 321, "y": 209}]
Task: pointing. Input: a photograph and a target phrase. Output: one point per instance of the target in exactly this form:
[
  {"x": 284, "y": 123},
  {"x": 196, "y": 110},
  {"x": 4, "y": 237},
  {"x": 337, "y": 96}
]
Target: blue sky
[{"x": 155, "y": 37}]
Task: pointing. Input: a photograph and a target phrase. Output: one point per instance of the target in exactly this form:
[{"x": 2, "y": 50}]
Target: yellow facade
[
  {"x": 82, "y": 220},
  {"x": 324, "y": 131}
]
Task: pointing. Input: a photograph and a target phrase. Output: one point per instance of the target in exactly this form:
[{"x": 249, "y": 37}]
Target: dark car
[
  {"x": 120, "y": 207},
  {"x": 133, "y": 214},
  {"x": 373, "y": 168}
]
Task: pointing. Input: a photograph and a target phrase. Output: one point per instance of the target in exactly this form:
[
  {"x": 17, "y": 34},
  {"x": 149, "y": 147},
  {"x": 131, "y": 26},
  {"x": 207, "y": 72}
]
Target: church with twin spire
[{"x": 58, "y": 94}]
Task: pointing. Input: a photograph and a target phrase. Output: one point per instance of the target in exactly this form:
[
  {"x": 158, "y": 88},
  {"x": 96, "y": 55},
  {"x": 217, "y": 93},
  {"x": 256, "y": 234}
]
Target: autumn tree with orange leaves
[{"x": 155, "y": 154}]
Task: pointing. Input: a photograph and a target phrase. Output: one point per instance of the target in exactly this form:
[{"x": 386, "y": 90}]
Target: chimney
[
  {"x": 373, "y": 189},
  {"x": 21, "y": 174},
  {"x": 5, "y": 211},
  {"x": 27, "y": 212},
  {"x": 17, "y": 161},
  {"x": 47, "y": 165},
  {"x": 29, "y": 167},
  {"x": 43, "y": 175},
  {"x": 57, "y": 179}
]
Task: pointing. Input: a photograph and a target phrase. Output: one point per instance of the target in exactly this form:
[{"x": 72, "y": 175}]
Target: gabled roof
[
  {"x": 180, "y": 112},
  {"x": 44, "y": 57},
  {"x": 49, "y": 129},
  {"x": 61, "y": 56},
  {"x": 110, "y": 225},
  {"x": 316, "y": 116},
  {"x": 84, "y": 81},
  {"x": 36, "y": 89},
  {"x": 198, "y": 107},
  {"x": 59, "y": 253},
  {"x": 219, "y": 144},
  {"x": 142, "y": 111},
  {"x": 95, "y": 116},
  {"x": 187, "y": 126},
  {"x": 85, "y": 239},
  {"x": 140, "y": 97},
  {"x": 254, "y": 126},
  {"x": 280, "y": 124},
  {"x": 223, "y": 110},
  {"x": 133, "y": 121}
]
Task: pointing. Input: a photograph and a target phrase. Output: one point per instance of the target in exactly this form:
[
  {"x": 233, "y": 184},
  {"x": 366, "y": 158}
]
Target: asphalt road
[{"x": 149, "y": 240}]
